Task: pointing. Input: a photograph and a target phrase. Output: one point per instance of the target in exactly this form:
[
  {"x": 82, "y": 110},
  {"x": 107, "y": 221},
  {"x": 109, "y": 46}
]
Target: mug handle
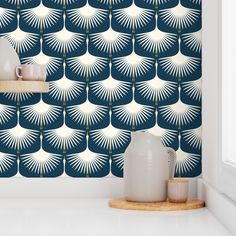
[
  {"x": 18, "y": 69},
  {"x": 172, "y": 161}
]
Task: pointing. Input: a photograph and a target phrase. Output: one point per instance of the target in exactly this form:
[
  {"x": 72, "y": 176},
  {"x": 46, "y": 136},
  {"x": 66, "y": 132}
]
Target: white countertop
[{"x": 93, "y": 217}]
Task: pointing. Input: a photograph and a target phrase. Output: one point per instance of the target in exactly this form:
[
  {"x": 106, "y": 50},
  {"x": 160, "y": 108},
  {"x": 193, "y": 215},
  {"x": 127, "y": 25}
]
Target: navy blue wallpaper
[{"x": 114, "y": 66}]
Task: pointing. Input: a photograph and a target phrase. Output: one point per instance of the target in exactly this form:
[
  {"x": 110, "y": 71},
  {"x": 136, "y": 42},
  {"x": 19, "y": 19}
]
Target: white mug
[{"x": 31, "y": 72}]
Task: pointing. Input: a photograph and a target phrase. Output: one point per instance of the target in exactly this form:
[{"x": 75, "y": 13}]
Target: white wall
[{"x": 211, "y": 100}]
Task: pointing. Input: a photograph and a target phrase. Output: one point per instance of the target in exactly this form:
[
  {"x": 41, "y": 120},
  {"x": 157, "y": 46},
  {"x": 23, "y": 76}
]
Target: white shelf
[{"x": 7, "y": 86}]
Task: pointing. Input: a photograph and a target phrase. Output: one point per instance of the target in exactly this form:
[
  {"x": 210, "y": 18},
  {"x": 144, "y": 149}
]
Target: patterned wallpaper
[{"x": 114, "y": 66}]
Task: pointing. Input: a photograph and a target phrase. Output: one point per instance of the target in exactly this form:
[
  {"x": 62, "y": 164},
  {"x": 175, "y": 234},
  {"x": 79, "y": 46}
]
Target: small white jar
[{"x": 178, "y": 190}]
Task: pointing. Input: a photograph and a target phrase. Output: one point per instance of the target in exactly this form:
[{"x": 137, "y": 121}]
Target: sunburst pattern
[
  {"x": 118, "y": 162},
  {"x": 87, "y": 18},
  {"x": 6, "y": 17},
  {"x": 193, "y": 41},
  {"x": 113, "y": 66},
  {"x": 186, "y": 162},
  {"x": 18, "y": 138},
  {"x": 41, "y": 163},
  {"x": 110, "y": 42},
  {"x": 179, "y": 114},
  {"x": 64, "y": 2},
  {"x": 87, "y": 162},
  {"x": 110, "y": 138},
  {"x": 87, "y": 114},
  {"x": 156, "y": 41},
  {"x": 87, "y": 65},
  {"x": 133, "y": 65},
  {"x": 111, "y": 2},
  {"x": 110, "y": 90},
  {"x": 196, "y": 1},
  {"x": 41, "y": 114},
  {"x": 64, "y": 138},
  {"x": 64, "y": 42},
  {"x": 65, "y": 90},
  {"x": 193, "y": 137},
  {"x": 156, "y": 89},
  {"x": 133, "y": 17},
  {"x": 6, "y": 162},
  {"x": 179, "y": 17},
  {"x": 154, "y": 2},
  {"x": 41, "y": 17},
  {"x": 22, "y": 41},
  {"x": 193, "y": 89},
  {"x": 18, "y": 97},
  {"x": 6, "y": 114},
  {"x": 180, "y": 65},
  {"x": 133, "y": 114},
  {"x": 14, "y": 2}
]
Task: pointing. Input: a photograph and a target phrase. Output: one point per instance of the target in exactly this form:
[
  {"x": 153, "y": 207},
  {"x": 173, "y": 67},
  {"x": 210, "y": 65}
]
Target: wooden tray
[
  {"x": 23, "y": 86},
  {"x": 121, "y": 203}
]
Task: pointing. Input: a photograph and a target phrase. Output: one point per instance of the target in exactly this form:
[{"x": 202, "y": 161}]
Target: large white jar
[
  {"x": 148, "y": 165},
  {"x": 9, "y": 60}
]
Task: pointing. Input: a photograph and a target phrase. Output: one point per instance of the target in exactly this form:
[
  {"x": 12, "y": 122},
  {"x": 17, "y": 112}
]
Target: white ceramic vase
[
  {"x": 148, "y": 166},
  {"x": 9, "y": 60}
]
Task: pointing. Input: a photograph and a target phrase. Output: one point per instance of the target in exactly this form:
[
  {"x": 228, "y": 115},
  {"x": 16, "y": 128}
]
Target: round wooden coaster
[{"x": 121, "y": 203}]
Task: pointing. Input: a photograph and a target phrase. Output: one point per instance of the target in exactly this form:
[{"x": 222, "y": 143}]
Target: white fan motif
[
  {"x": 179, "y": 17},
  {"x": 41, "y": 162},
  {"x": 64, "y": 89},
  {"x": 185, "y": 162},
  {"x": 111, "y": 2},
  {"x": 110, "y": 138},
  {"x": 64, "y": 41},
  {"x": 179, "y": 113},
  {"x": 118, "y": 159},
  {"x": 133, "y": 17},
  {"x": 6, "y": 113},
  {"x": 133, "y": 113},
  {"x": 41, "y": 17},
  {"x": 41, "y": 113},
  {"x": 87, "y": 113},
  {"x": 196, "y": 1},
  {"x": 110, "y": 41},
  {"x": 64, "y": 2},
  {"x": 87, "y": 65},
  {"x": 18, "y": 138},
  {"x": 87, "y": 162},
  {"x": 156, "y": 41},
  {"x": 18, "y": 1},
  {"x": 179, "y": 65},
  {"x": 193, "y": 41},
  {"x": 18, "y": 97},
  {"x": 52, "y": 63},
  {"x": 6, "y": 16},
  {"x": 22, "y": 41},
  {"x": 156, "y": 89},
  {"x": 193, "y": 89},
  {"x": 155, "y": 1},
  {"x": 6, "y": 161},
  {"x": 110, "y": 89},
  {"x": 87, "y": 17},
  {"x": 64, "y": 138},
  {"x": 193, "y": 137},
  {"x": 133, "y": 65},
  {"x": 167, "y": 136}
]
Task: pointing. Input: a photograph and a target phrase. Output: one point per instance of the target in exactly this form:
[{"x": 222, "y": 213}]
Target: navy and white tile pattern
[{"x": 114, "y": 66}]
